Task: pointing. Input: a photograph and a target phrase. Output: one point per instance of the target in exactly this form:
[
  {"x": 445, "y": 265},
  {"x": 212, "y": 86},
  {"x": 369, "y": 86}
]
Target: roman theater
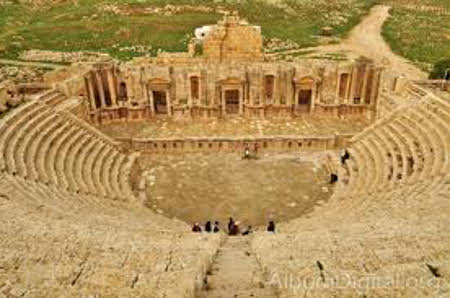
[{"x": 106, "y": 165}]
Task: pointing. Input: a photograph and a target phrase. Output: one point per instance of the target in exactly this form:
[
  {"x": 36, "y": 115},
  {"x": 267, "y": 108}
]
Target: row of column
[{"x": 95, "y": 83}]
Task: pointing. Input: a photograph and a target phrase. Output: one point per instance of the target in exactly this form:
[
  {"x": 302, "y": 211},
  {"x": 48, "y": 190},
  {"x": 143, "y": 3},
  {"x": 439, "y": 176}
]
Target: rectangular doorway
[
  {"x": 304, "y": 100},
  {"x": 160, "y": 102},
  {"x": 232, "y": 101}
]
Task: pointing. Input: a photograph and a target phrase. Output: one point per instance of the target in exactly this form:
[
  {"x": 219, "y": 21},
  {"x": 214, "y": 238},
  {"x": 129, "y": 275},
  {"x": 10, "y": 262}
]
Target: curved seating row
[
  {"x": 43, "y": 145},
  {"x": 410, "y": 145},
  {"x": 384, "y": 232}
]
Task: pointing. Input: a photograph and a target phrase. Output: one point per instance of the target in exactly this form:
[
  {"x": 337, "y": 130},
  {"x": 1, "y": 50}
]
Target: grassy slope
[
  {"x": 421, "y": 36},
  {"x": 66, "y": 27}
]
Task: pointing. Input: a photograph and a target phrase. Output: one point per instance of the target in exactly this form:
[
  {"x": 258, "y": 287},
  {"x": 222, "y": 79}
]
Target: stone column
[
  {"x": 112, "y": 87},
  {"x": 366, "y": 77},
  {"x": 354, "y": 80},
  {"x": 313, "y": 97},
  {"x": 189, "y": 102},
  {"x": 168, "y": 103},
  {"x": 101, "y": 91},
  {"x": 91, "y": 91},
  {"x": 152, "y": 101},
  {"x": 224, "y": 105},
  {"x": 241, "y": 100},
  {"x": 337, "y": 99}
]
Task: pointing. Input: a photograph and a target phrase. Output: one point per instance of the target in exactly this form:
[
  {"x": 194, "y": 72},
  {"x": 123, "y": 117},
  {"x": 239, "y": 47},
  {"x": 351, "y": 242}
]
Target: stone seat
[
  {"x": 64, "y": 176},
  {"x": 54, "y": 154},
  {"x": 124, "y": 178},
  {"x": 96, "y": 170},
  {"x": 105, "y": 172},
  {"x": 118, "y": 165},
  {"x": 10, "y": 126},
  {"x": 17, "y": 136},
  {"x": 23, "y": 154},
  {"x": 32, "y": 157},
  {"x": 75, "y": 184},
  {"x": 45, "y": 149}
]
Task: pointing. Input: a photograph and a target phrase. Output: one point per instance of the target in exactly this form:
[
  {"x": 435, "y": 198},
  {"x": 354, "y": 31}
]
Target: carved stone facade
[
  {"x": 138, "y": 91},
  {"x": 220, "y": 84}
]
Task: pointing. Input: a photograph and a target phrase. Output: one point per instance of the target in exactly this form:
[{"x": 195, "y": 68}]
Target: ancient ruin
[
  {"x": 230, "y": 78},
  {"x": 85, "y": 153}
]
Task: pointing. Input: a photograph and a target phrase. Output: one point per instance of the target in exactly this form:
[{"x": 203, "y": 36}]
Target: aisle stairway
[{"x": 235, "y": 272}]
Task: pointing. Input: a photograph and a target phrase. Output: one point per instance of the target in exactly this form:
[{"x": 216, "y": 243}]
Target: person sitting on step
[
  {"x": 196, "y": 228},
  {"x": 234, "y": 231},
  {"x": 271, "y": 227},
  {"x": 216, "y": 227},
  {"x": 247, "y": 231},
  {"x": 208, "y": 227},
  {"x": 246, "y": 152},
  {"x": 333, "y": 178},
  {"x": 230, "y": 224},
  {"x": 345, "y": 156}
]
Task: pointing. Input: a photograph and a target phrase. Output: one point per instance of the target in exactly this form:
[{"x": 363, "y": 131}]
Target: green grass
[
  {"x": 421, "y": 36},
  {"x": 66, "y": 27}
]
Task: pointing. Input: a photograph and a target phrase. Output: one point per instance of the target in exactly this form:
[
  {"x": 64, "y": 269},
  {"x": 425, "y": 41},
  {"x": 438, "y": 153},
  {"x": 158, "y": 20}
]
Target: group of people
[
  {"x": 344, "y": 156},
  {"x": 209, "y": 227},
  {"x": 233, "y": 228}
]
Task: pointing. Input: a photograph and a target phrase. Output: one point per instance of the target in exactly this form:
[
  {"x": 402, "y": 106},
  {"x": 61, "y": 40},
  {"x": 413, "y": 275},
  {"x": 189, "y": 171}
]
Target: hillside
[{"x": 129, "y": 28}]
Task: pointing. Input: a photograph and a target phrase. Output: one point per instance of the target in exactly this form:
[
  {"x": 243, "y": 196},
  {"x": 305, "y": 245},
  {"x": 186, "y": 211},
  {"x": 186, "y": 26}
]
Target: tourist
[
  {"x": 216, "y": 227},
  {"x": 208, "y": 227},
  {"x": 196, "y": 228},
  {"x": 230, "y": 224},
  {"x": 234, "y": 231},
  {"x": 255, "y": 149},
  {"x": 248, "y": 231},
  {"x": 246, "y": 152},
  {"x": 345, "y": 156},
  {"x": 271, "y": 227},
  {"x": 333, "y": 178}
]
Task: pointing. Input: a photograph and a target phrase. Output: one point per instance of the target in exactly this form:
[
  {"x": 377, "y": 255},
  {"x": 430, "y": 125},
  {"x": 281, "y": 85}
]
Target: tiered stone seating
[
  {"x": 58, "y": 244},
  {"x": 52, "y": 98},
  {"x": 385, "y": 232},
  {"x": 53, "y": 147}
]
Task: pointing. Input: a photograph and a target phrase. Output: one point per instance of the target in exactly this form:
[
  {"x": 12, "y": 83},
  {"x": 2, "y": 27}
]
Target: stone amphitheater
[{"x": 74, "y": 222}]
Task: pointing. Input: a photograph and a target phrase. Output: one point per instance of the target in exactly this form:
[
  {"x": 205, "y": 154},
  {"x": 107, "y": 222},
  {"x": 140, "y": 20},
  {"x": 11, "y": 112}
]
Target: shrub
[{"x": 439, "y": 68}]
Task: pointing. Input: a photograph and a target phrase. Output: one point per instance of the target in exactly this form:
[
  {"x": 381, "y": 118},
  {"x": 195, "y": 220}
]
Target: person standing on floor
[
  {"x": 208, "y": 227},
  {"x": 271, "y": 227}
]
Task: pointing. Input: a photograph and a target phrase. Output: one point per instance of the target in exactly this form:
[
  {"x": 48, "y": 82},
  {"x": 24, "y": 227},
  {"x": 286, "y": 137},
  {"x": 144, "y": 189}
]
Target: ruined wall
[
  {"x": 260, "y": 89},
  {"x": 233, "y": 40}
]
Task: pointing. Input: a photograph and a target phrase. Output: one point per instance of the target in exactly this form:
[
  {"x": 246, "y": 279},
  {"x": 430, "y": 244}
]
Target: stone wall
[
  {"x": 233, "y": 40},
  {"x": 236, "y": 144},
  {"x": 197, "y": 88}
]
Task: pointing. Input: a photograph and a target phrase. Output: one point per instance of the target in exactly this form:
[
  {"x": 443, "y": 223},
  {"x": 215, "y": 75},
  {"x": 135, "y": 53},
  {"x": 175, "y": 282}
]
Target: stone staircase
[{"x": 235, "y": 272}]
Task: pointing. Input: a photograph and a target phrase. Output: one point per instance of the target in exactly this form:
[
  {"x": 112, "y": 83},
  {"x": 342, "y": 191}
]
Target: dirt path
[{"x": 366, "y": 40}]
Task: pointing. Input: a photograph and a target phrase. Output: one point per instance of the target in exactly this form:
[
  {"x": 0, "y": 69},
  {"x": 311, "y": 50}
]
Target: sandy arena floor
[{"x": 213, "y": 187}]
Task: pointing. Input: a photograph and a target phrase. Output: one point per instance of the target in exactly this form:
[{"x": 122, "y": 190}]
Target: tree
[{"x": 439, "y": 68}]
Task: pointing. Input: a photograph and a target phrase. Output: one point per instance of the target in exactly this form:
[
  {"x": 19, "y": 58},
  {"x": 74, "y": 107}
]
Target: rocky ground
[{"x": 20, "y": 73}]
